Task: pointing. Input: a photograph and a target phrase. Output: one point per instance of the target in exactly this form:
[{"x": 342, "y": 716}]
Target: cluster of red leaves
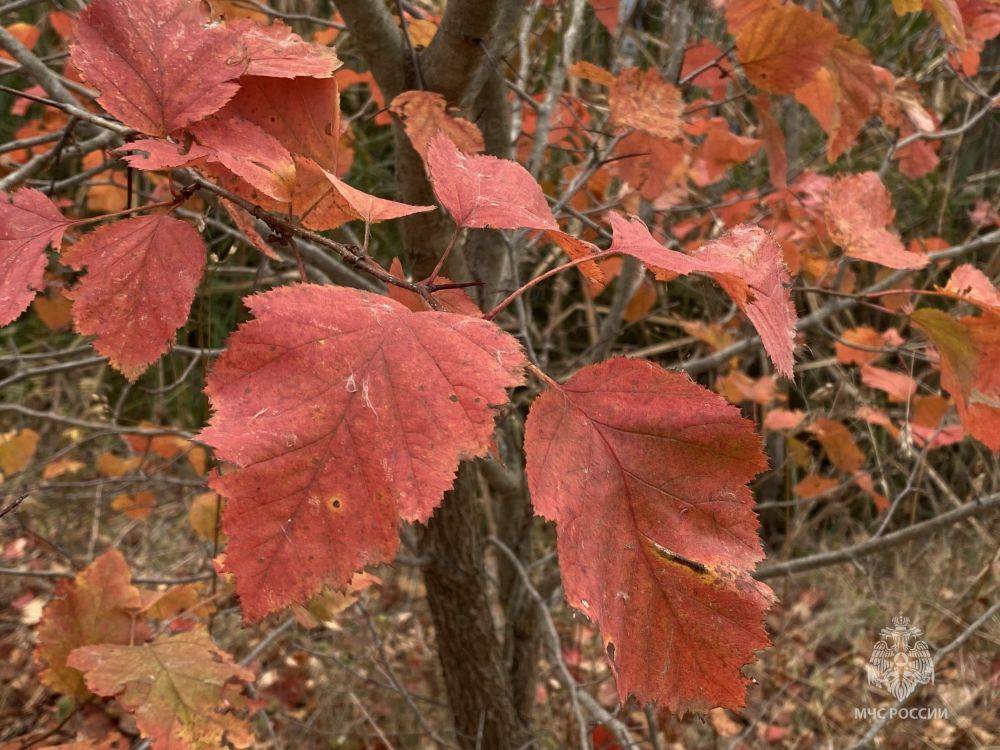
[{"x": 344, "y": 413}]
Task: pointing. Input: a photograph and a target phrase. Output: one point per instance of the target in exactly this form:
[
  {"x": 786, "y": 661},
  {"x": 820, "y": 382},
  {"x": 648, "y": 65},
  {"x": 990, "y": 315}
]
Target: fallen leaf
[
  {"x": 98, "y": 606},
  {"x": 178, "y": 688}
]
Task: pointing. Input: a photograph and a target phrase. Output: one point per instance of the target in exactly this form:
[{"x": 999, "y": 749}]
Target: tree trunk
[{"x": 479, "y": 690}]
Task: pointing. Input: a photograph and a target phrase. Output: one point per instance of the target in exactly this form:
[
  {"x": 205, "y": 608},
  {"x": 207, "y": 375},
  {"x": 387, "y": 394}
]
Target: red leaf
[
  {"x": 328, "y": 199},
  {"x": 244, "y": 222},
  {"x": 781, "y": 48},
  {"x": 972, "y": 285},
  {"x": 484, "y": 191},
  {"x": 155, "y": 154},
  {"x": 275, "y": 51},
  {"x": 141, "y": 278},
  {"x": 248, "y": 152},
  {"x": 346, "y": 411},
  {"x": 303, "y": 114},
  {"x": 424, "y": 113},
  {"x": 644, "y": 473},
  {"x": 29, "y": 222},
  {"x": 858, "y": 212},
  {"x": 452, "y": 300},
  {"x": 158, "y": 64},
  {"x": 746, "y": 262},
  {"x": 899, "y": 386}
]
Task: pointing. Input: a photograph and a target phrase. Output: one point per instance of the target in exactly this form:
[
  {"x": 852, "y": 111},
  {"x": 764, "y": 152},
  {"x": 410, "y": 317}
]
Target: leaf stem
[{"x": 548, "y": 274}]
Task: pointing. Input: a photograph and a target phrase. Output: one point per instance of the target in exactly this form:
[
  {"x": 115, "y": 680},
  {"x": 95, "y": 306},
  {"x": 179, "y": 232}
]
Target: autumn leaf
[
  {"x": 55, "y": 310},
  {"x": 98, "y": 606},
  {"x": 774, "y": 141},
  {"x": 174, "y": 686},
  {"x": 859, "y": 346},
  {"x": 424, "y": 113},
  {"x": 577, "y": 249},
  {"x": 158, "y": 64},
  {"x": 838, "y": 444},
  {"x": 137, "y": 507},
  {"x": 249, "y": 152},
  {"x": 245, "y": 223},
  {"x": 142, "y": 274},
  {"x": 859, "y": 214},
  {"x": 781, "y": 48},
  {"x": 746, "y": 262},
  {"x": 329, "y": 195},
  {"x": 784, "y": 419},
  {"x": 275, "y": 51},
  {"x": 155, "y": 154},
  {"x": 842, "y": 95},
  {"x": 302, "y": 114},
  {"x": 971, "y": 285},
  {"x": 644, "y": 473},
  {"x": 643, "y": 100},
  {"x": 898, "y": 386},
  {"x": 346, "y": 412},
  {"x": 29, "y": 222},
  {"x": 484, "y": 191},
  {"x": 451, "y": 300},
  {"x": 721, "y": 150},
  {"x": 17, "y": 448},
  {"x": 969, "y": 349},
  {"x": 203, "y": 515}
]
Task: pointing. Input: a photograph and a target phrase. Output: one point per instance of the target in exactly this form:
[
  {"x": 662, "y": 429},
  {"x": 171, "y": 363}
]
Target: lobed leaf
[
  {"x": 178, "y": 687},
  {"x": 29, "y": 222},
  {"x": 142, "y": 274},
  {"x": 644, "y": 473},
  {"x": 345, "y": 412}
]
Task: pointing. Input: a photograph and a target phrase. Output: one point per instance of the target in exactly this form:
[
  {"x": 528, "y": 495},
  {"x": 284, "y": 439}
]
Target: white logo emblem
[{"x": 896, "y": 665}]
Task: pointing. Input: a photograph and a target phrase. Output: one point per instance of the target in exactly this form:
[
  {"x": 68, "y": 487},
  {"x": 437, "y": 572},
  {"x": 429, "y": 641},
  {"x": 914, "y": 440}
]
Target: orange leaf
[
  {"x": 858, "y": 212},
  {"x": 838, "y": 444},
  {"x": 178, "y": 688},
  {"x": 98, "y": 606},
  {"x": 781, "y": 48},
  {"x": 643, "y": 100}
]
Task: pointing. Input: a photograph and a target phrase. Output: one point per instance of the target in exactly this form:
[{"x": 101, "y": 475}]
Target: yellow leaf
[{"x": 17, "y": 449}]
